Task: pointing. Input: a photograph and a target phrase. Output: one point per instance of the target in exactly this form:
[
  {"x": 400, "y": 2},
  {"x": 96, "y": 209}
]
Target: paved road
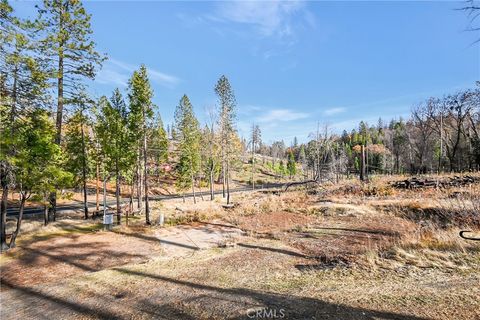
[{"x": 32, "y": 211}]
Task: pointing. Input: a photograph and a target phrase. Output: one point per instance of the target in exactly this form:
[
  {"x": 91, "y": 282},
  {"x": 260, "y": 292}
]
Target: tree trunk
[
  {"x": 362, "y": 164},
  {"x": 145, "y": 171},
  {"x": 23, "y": 198},
  {"x": 58, "y": 138},
  {"x": 193, "y": 191},
  {"x": 52, "y": 209},
  {"x": 227, "y": 176},
  {"x": 212, "y": 193},
  {"x": 132, "y": 188},
  {"x": 84, "y": 175},
  {"x": 117, "y": 191},
  {"x": 366, "y": 162},
  {"x": 5, "y": 168},
  {"x": 97, "y": 189},
  {"x": 139, "y": 182},
  {"x": 253, "y": 166},
  {"x": 3, "y": 220},
  {"x": 13, "y": 110},
  {"x": 200, "y": 189},
  {"x": 85, "y": 198},
  {"x": 45, "y": 210},
  {"x": 223, "y": 180}
]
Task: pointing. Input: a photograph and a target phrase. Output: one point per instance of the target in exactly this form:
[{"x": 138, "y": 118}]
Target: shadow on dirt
[{"x": 242, "y": 301}]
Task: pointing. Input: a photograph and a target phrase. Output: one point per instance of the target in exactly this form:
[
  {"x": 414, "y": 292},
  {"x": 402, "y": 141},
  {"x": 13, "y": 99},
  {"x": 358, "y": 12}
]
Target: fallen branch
[
  {"x": 414, "y": 182},
  {"x": 298, "y": 183}
]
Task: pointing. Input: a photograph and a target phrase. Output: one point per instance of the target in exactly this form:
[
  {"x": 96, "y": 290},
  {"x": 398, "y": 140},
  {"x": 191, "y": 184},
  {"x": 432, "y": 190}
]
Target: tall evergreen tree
[
  {"x": 141, "y": 111},
  {"x": 78, "y": 147},
  {"x": 116, "y": 140},
  {"x": 67, "y": 44},
  {"x": 22, "y": 88},
  {"x": 226, "y": 123},
  {"x": 188, "y": 137},
  {"x": 255, "y": 142}
]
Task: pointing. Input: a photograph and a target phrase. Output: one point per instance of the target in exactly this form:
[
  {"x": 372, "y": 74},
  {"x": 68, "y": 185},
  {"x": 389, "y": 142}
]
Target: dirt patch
[
  {"x": 330, "y": 232},
  {"x": 343, "y": 239},
  {"x": 273, "y": 222},
  {"x": 61, "y": 257},
  {"x": 185, "y": 239}
]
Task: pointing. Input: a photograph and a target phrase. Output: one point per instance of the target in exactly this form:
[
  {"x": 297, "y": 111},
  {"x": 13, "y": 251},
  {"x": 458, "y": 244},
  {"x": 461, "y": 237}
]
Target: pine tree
[
  {"x": 22, "y": 88},
  {"x": 116, "y": 140},
  {"x": 67, "y": 44},
  {"x": 78, "y": 147},
  {"x": 301, "y": 155},
  {"x": 38, "y": 162},
  {"x": 141, "y": 111},
  {"x": 291, "y": 165},
  {"x": 158, "y": 142},
  {"x": 255, "y": 141},
  {"x": 188, "y": 138},
  {"x": 226, "y": 122},
  {"x": 281, "y": 168}
]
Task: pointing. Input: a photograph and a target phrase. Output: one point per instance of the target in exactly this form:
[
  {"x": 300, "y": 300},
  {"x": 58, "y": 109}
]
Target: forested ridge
[{"x": 56, "y": 136}]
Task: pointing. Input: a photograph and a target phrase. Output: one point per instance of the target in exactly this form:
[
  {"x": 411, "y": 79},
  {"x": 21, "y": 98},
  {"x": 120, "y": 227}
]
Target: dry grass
[
  {"x": 350, "y": 251},
  {"x": 225, "y": 283}
]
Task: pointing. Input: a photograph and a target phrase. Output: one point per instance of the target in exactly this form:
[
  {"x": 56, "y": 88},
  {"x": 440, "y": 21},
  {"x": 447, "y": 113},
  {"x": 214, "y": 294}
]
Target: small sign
[{"x": 108, "y": 219}]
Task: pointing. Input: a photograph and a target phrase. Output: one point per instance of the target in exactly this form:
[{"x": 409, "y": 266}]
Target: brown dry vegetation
[{"x": 349, "y": 251}]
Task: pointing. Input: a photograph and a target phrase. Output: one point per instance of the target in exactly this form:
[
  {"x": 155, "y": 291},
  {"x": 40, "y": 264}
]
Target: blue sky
[{"x": 292, "y": 64}]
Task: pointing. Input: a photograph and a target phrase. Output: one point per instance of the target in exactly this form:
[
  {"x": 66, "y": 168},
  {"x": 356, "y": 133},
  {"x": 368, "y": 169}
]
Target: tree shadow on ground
[
  {"x": 78, "y": 260},
  {"x": 66, "y": 230},
  {"x": 46, "y": 264},
  {"x": 277, "y": 250},
  {"x": 240, "y": 301},
  {"x": 156, "y": 240},
  {"x": 59, "y": 303}
]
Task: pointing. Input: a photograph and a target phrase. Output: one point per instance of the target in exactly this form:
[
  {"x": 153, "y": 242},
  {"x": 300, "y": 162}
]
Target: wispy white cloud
[
  {"x": 267, "y": 17},
  {"x": 281, "y": 115},
  {"x": 110, "y": 76},
  {"x": 163, "y": 78},
  {"x": 334, "y": 111},
  {"x": 248, "y": 109},
  {"x": 117, "y": 72}
]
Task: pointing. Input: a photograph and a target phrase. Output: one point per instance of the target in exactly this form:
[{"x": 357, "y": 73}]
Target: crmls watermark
[{"x": 265, "y": 313}]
